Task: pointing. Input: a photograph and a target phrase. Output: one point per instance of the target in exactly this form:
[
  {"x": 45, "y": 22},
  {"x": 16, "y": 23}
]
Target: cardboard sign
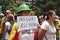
[
  {"x": 27, "y": 22},
  {"x": 26, "y": 36}
]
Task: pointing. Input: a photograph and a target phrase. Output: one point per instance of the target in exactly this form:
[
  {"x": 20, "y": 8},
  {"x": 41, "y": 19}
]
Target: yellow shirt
[
  {"x": 2, "y": 22},
  {"x": 57, "y": 24},
  {"x": 0, "y": 28},
  {"x": 13, "y": 31}
]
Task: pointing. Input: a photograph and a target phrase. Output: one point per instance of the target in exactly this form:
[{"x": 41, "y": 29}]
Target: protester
[
  {"x": 57, "y": 24},
  {"x": 23, "y": 10},
  {"x": 3, "y": 28},
  {"x": 13, "y": 30},
  {"x": 1, "y": 16},
  {"x": 8, "y": 26},
  {"x": 32, "y": 13},
  {"x": 48, "y": 30},
  {"x": 6, "y": 23},
  {"x": 41, "y": 19}
]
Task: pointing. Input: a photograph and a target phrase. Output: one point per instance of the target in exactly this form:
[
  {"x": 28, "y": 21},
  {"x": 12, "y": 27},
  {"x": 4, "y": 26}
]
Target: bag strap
[{"x": 45, "y": 37}]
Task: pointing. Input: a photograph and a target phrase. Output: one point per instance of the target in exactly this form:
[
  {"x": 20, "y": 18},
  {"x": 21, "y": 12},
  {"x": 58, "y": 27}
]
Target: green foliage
[
  {"x": 39, "y": 7},
  {"x": 8, "y": 4},
  {"x": 45, "y": 5}
]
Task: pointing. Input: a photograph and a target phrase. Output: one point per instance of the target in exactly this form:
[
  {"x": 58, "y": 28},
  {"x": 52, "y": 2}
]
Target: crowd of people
[{"x": 46, "y": 29}]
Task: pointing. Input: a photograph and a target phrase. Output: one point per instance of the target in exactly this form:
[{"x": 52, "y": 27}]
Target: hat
[
  {"x": 8, "y": 11},
  {"x": 10, "y": 16},
  {"x": 1, "y": 14},
  {"x": 23, "y": 7}
]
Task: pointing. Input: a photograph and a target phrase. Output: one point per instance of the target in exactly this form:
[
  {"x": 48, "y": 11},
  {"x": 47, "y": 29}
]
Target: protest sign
[{"x": 27, "y": 22}]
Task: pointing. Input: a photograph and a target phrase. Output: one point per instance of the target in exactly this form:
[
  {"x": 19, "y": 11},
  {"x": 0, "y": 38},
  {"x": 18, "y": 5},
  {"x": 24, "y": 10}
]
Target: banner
[{"x": 27, "y": 22}]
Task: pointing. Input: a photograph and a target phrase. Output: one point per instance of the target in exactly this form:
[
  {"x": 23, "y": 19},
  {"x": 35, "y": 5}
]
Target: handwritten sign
[{"x": 27, "y": 22}]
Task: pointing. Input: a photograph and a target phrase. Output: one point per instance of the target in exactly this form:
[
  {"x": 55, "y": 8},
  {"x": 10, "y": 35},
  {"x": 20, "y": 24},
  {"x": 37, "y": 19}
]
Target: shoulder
[
  {"x": 15, "y": 24},
  {"x": 7, "y": 24},
  {"x": 45, "y": 25}
]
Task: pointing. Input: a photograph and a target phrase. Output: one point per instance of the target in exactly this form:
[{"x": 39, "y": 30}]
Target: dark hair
[
  {"x": 21, "y": 12},
  {"x": 49, "y": 13}
]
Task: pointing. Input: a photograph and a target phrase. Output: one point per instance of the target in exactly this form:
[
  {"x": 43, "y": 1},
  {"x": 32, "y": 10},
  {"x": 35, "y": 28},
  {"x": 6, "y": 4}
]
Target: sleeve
[
  {"x": 44, "y": 26},
  {"x": 7, "y": 24}
]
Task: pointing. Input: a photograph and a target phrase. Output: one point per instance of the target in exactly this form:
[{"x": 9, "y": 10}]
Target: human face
[
  {"x": 53, "y": 17},
  {"x": 24, "y": 13}
]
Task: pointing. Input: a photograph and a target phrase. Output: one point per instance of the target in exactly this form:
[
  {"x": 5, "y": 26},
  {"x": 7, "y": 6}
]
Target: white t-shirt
[
  {"x": 50, "y": 31},
  {"x": 8, "y": 25},
  {"x": 26, "y": 36}
]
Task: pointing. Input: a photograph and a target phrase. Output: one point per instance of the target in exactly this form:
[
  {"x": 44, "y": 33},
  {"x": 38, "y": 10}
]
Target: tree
[
  {"x": 8, "y": 4},
  {"x": 42, "y": 6}
]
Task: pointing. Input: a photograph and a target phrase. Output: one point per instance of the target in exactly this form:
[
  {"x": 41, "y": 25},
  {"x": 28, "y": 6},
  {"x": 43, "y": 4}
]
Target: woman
[{"x": 48, "y": 30}]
